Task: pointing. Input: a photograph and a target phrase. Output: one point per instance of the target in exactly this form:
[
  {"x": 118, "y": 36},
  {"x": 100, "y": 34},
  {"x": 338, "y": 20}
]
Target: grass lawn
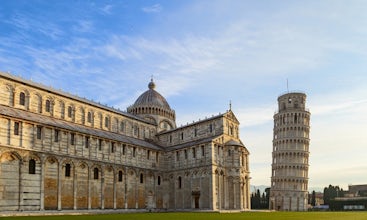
[{"x": 210, "y": 216}]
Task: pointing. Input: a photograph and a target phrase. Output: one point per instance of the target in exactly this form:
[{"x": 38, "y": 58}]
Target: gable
[{"x": 230, "y": 116}]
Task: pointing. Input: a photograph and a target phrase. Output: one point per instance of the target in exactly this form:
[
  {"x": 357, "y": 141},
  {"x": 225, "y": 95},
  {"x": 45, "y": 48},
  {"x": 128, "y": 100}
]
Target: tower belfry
[{"x": 289, "y": 178}]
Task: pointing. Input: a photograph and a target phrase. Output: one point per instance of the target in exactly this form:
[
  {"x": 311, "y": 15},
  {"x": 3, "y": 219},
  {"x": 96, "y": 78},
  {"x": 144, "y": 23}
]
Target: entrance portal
[
  {"x": 197, "y": 202},
  {"x": 196, "y": 197}
]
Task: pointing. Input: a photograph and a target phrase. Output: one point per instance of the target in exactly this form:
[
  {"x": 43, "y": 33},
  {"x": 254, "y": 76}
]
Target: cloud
[
  {"x": 351, "y": 172},
  {"x": 83, "y": 26},
  {"x": 107, "y": 9},
  {"x": 253, "y": 116},
  {"x": 153, "y": 8},
  {"x": 345, "y": 107},
  {"x": 26, "y": 24}
]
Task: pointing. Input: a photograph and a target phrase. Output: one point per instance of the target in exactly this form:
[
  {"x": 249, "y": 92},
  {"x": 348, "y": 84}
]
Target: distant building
[
  {"x": 62, "y": 152},
  {"x": 289, "y": 179},
  {"x": 354, "y": 199},
  {"x": 319, "y": 198},
  {"x": 356, "y": 191}
]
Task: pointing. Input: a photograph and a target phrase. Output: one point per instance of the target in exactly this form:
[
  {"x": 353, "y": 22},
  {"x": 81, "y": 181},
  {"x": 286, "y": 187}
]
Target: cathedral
[{"x": 62, "y": 152}]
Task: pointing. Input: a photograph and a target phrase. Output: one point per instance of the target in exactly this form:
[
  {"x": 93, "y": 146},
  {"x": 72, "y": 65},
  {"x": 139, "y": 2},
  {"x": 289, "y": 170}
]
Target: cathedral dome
[
  {"x": 153, "y": 107},
  {"x": 152, "y": 98}
]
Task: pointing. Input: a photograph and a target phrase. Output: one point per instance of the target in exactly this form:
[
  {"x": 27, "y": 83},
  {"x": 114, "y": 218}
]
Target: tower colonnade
[{"x": 290, "y": 164}]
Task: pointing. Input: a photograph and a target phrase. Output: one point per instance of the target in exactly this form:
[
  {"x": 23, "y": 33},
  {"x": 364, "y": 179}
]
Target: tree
[
  {"x": 255, "y": 200},
  {"x": 332, "y": 192},
  {"x": 267, "y": 197},
  {"x": 260, "y": 201}
]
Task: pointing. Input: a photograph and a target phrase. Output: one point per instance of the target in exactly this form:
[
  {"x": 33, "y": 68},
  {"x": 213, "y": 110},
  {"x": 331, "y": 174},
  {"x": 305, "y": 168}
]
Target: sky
[{"x": 203, "y": 55}]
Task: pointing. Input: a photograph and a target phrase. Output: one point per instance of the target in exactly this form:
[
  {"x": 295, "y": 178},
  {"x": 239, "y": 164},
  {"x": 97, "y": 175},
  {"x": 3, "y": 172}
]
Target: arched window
[
  {"x": 16, "y": 128},
  {"x": 89, "y": 117},
  {"x": 70, "y": 111},
  {"x": 67, "y": 170},
  {"x": 179, "y": 182},
  {"x": 106, "y": 122},
  {"x": 72, "y": 138},
  {"x": 95, "y": 172},
  {"x": 136, "y": 130},
  {"x": 141, "y": 178},
  {"x": 120, "y": 176},
  {"x": 122, "y": 126},
  {"x": 159, "y": 180},
  {"x": 39, "y": 132},
  {"x": 112, "y": 147},
  {"x": 123, "y": 149},
  {"x": 22, "y": 98},
  {"x": 48, "y": 106},
  {"x": 32, "y": 166},
  {"x": 56, "y": 135},
  {"x": 99, "y": 144}
]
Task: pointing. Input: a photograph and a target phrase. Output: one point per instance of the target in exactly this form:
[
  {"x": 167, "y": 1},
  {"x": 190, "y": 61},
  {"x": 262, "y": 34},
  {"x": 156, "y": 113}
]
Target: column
[
  {"x": 225, "y": 186},
  {"x": 89, "y": 186},
  {"x": 20, "y": 185},
  {"x": 75, "y": 188},
  {"x": 241, "y": 188},
  {"x": 20, "y": 134},
  {"x": 114, "y": 189},
  {"x": 34, "y": 136},
  {"x": 137, "y": 176},
  {"x": 102, "y": 187},
  {"x": 125, "y": 189},
  {"x": 59, "y": 186},
  {"x": 9, "y": 132},
  {"x": 219, "y": 197},
  {"x": 42, "y": 185},
  {"x": 248, "y": 199},
  {"x": 234, "y": 194}
]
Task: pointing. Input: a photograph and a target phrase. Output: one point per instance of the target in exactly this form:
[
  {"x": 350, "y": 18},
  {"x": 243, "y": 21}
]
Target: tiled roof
[
  {"x": 193, "y": 123},
  {"x": 193, "y": 143}
]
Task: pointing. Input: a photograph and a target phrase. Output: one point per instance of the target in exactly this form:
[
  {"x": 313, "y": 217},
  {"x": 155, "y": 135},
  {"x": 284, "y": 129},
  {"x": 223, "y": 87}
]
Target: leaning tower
[{"x": 289, "y": 178}]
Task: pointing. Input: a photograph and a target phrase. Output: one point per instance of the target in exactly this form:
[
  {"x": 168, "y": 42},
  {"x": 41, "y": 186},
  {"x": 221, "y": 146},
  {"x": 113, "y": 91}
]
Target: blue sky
[{"x": 203, "y": 54}]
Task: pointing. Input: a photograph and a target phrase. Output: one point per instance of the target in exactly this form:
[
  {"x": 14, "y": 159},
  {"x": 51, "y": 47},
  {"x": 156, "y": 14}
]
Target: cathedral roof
[
  {"x": 234, "y": 143},
  {"x": 45, "y": 120},
  {"x": 68, "y": 95},
  {"x": 151, "y": 98}
]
